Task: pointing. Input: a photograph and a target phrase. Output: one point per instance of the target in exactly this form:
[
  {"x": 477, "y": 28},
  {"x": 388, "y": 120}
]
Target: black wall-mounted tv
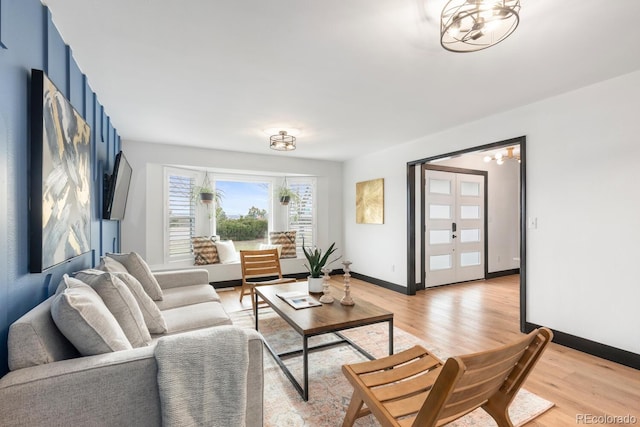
[{"x": 116, "y": 189}]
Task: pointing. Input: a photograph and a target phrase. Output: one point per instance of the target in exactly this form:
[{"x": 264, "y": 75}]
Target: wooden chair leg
[
  {"x": 353, "y": 410},
  {"x": 242, "y": 292},
  {"x": 499, "y": 413}
]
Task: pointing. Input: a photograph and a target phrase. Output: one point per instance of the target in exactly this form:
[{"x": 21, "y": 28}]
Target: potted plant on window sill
[{"x": 316, "y": 262}]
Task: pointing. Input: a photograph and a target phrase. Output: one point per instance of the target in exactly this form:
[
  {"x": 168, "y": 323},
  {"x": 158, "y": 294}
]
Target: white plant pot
[{"x": 315, "y": 284}]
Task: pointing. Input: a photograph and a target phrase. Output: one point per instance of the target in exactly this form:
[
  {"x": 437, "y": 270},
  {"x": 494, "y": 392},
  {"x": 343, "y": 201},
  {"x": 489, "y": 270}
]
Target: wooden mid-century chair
[
  {"x": 414, "y": 388},
  {"x": 260, "y": 267}
]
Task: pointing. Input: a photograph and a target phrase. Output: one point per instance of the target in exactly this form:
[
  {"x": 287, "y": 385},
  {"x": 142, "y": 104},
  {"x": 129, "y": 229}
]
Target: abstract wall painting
[
  {"x": 370, "y": 202},
  {"x": 60, "y": 207}
]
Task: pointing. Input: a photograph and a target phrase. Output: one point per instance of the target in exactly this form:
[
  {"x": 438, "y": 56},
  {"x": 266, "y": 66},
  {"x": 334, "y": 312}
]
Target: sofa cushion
[
  {"x": 196, "y": 316},
  {"x": 150, "y": 311},
  {"x": 139, "y": 269},
  {"x": 288, "y": 241},
  {"x": 35, "y": 340},
  {"x": 204, "y": 251},
  {"x": 186, "y": 295},
  {"x": 227, "y": 252},
  {"x": 120, "y": 302},
  {"x": 83, "y": 318}
]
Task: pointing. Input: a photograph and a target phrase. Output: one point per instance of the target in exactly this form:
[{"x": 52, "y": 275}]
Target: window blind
[
  {"x": 301, "y": 213},
  {"x": 182, "y": 216}
]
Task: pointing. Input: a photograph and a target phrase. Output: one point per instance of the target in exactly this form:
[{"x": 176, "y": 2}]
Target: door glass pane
[
  {"x": 439, "y": 186},
  {"x": 439, "y": 211},
  {"x": 438, "y": 237},
  {"x": 470, "y": 212},
  {"x": 471, "y": 235},
  {"x": 469, "y": 258},
  {"x": 439, "y": 262},
  {"x": 470, "y": 189}
]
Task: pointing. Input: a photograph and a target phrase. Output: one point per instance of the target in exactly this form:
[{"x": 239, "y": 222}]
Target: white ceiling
[{"x": 354, "y": 75}]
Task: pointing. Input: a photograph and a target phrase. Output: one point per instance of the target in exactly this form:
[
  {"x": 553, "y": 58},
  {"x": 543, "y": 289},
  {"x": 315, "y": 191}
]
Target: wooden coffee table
[{"x": 327, "y": 318}]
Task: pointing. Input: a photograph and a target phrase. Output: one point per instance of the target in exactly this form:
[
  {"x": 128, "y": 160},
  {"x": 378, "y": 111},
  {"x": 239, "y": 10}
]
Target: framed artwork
[
  {"x": 60, "y": 206},
  {"x": 370, "y": 202}
]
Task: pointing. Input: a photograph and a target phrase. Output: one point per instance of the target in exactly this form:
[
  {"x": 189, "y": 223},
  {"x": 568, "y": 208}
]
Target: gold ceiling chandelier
[
  {"x": 471, "y": 25},
  {"x": 282, "y": 141},
  {"x": 500, "y": 158}
]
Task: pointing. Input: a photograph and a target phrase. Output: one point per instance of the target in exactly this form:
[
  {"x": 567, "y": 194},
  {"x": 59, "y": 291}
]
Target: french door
[{"x": 454, "y": 239}]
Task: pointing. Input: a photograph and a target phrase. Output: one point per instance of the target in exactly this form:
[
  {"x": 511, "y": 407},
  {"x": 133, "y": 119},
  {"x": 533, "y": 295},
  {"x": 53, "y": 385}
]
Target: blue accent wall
[{"x": 29, "y": 39}]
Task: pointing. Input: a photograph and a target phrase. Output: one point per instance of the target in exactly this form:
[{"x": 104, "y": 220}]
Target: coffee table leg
[
  {"x": 390, "y": 336},
  {"x": 255, "y": 309},
  {"x": 305, "y": 367}
]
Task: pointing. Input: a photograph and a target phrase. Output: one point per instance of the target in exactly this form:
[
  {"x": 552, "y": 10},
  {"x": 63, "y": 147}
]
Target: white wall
[
  {"x": 582, "y": 173},
  {"x": 142, "y": 229},
  {"x": 503, "y": 209}
]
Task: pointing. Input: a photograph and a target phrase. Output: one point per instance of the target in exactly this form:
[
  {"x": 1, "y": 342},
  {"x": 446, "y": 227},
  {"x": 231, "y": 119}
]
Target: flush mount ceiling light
[
  {"x": 282, "y": 141},
  {"x": 471, "y": 25},
  {"x": 500, "y": 158}
]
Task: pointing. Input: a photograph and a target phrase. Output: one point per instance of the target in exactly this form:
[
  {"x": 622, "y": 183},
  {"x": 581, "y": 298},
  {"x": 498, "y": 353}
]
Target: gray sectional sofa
[{"x": 49, "y": 383}]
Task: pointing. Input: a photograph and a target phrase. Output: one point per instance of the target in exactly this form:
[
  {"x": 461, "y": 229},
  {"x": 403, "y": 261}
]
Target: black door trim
[{"x": 412, "y": 285}]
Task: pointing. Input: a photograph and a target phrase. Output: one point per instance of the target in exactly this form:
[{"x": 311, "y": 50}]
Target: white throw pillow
[
  {"x": 266, "y": 246},
  {"x": 227, "y": 252},
  {"x": 150, "y": 312},
  {"x": 82, "y": 317},
  {"x": 139, "y": 269},
  {"x": 120, "y": 302}
]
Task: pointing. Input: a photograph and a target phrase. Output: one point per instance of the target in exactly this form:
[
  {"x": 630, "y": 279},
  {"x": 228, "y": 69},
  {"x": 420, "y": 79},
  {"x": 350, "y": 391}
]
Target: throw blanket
[{"x": 202, "y": 377}]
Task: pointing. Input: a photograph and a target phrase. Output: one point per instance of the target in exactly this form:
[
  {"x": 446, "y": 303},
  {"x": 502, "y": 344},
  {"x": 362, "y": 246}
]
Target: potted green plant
[
  {"x": 205, "y": 192},
  {"x": 286, "y": 194},
  {"x": 316, "y": 261}
]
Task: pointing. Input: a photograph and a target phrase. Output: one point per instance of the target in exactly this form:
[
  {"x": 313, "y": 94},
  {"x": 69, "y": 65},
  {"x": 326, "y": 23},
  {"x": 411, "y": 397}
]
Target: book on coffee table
[{"x": 299, "y": 299}]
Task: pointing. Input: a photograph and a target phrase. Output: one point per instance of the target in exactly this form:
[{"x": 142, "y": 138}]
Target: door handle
[{"x": 454, "y": 226}]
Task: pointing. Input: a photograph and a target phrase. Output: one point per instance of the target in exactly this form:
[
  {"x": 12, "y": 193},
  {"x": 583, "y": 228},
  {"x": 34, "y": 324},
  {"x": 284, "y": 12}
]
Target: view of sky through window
[{"x": 239, "y": 196}]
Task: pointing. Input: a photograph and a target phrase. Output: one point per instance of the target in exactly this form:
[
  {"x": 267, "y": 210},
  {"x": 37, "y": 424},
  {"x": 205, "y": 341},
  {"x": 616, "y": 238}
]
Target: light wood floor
[{"x": 476, "y": 316}]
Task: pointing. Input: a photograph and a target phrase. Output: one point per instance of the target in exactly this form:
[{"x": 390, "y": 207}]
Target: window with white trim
[{"x": 247, "y": 210}]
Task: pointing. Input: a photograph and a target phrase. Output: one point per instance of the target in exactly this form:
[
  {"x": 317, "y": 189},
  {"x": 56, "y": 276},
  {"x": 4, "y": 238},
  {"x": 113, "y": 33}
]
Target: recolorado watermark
[{"x": 606, "y": 419}]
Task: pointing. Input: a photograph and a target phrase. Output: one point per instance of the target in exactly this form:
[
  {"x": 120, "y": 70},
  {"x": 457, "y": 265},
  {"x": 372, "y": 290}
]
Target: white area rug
[{"x": 329, "y": 390}]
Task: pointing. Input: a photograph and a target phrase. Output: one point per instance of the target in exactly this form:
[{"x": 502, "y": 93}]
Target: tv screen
[{"x": 116, "y": 188}]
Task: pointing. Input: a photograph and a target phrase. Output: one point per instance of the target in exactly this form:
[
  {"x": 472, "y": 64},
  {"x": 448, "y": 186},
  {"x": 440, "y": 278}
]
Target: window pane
[
  {"x": 471, "y": 235},
  {"x": 470, "y": 189},
  {"x": 243, "y": 214},
  {"x": 301, "y": 211},
  {"x": 470, "y": 212},
  {"x": 439, "y": 186},
  {"x": 182, "y": 216},
  {"x": 439, "y": 211},
  {"x": 439, "y": 262},
  {"x": 438, "y": 237},
  {"x": 469, "y": 258}
]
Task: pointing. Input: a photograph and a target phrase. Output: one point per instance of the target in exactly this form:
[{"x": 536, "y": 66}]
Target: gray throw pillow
[
  {"x": 111, "y": 265},
  {"x": 150, "y": 312},
  {"x": 139, "y": 269},
  {"x": 120, "y": 302},
  {"x": 81, "y": 316}
]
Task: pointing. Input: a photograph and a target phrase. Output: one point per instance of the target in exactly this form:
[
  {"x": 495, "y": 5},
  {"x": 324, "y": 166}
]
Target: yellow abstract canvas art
[{"x": 370, "y": 202}]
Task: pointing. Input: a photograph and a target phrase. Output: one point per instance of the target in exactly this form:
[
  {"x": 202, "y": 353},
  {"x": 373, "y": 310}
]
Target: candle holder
[
  {"x": 346, "y": 299},
  {"x": 326, "y": 298}
]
